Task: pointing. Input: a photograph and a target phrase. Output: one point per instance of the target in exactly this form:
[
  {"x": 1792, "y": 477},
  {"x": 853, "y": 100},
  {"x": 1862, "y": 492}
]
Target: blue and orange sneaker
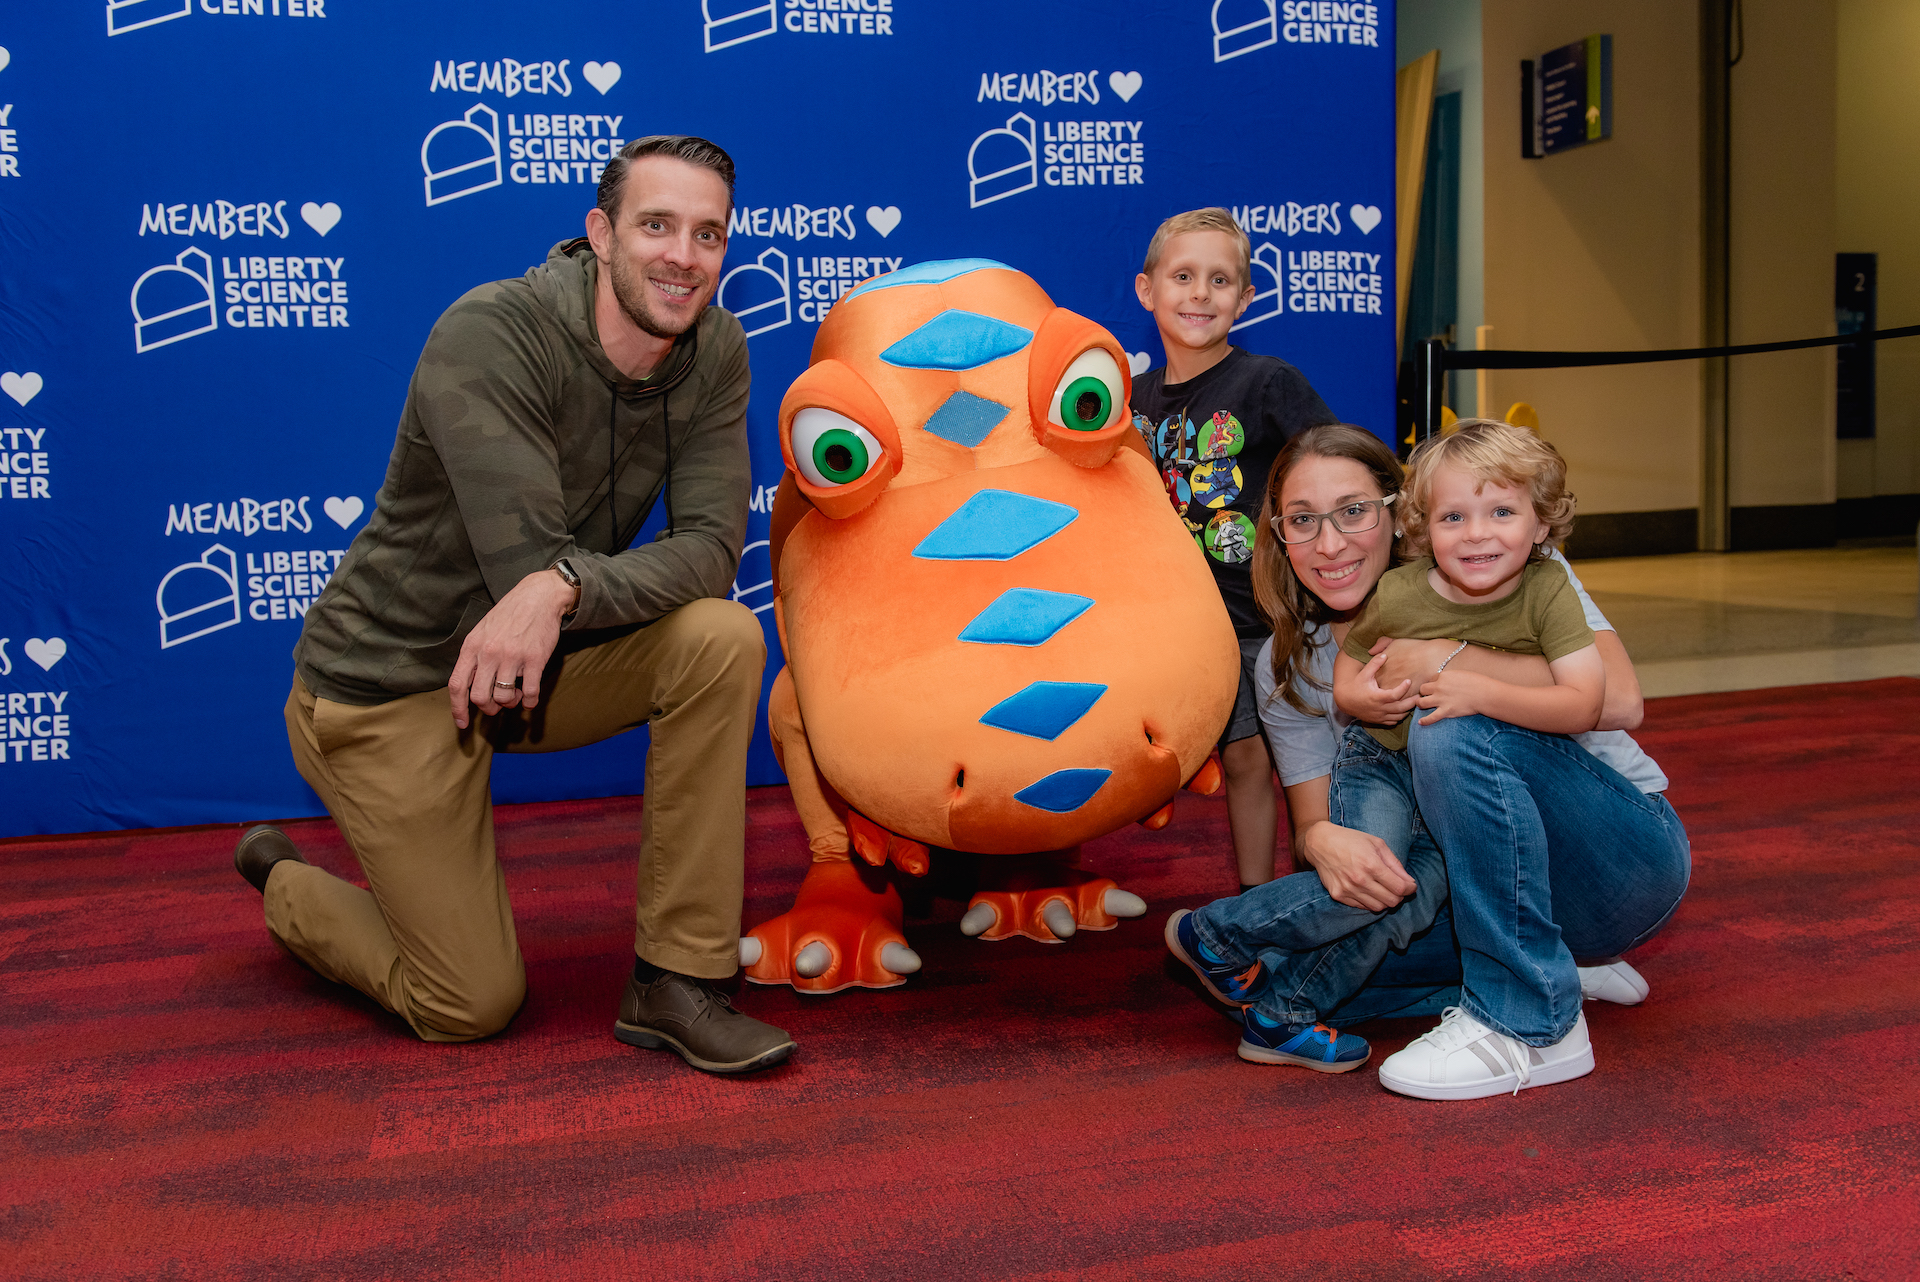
[
  {"x": 1231, "y": 982},
  {"x": 1313, "y": 1046}
]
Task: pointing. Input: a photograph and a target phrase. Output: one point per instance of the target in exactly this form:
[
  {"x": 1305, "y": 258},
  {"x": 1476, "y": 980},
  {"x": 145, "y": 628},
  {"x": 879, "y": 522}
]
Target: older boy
[{"x": 1215, "y": 416}]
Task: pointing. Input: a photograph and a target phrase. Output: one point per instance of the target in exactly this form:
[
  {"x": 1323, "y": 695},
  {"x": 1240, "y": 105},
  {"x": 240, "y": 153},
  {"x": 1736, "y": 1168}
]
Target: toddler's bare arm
[{"x": 1571, "y": 705}]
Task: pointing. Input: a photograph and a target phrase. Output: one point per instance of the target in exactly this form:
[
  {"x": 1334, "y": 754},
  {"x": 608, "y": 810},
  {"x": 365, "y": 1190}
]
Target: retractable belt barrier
[{"x": 1436, "y": 358}]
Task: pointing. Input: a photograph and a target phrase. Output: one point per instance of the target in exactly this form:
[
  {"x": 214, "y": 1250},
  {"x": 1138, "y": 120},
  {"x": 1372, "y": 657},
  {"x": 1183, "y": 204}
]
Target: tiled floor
[{"x": 1747, "y": 620}]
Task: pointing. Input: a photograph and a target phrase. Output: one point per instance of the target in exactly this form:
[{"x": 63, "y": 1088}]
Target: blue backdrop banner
[{"x": 229, "y": 225}]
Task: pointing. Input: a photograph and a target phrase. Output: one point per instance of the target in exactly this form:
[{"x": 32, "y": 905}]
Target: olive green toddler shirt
[{"x": 1542, "y": 616}]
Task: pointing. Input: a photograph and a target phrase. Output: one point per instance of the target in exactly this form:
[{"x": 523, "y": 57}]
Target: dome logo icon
[
  {"x": 131, "y": 15},
  {"x": 1009, "y": 166},
  {"x": 1266, "y": 303},
  {"x": 174, "y": 301},
  {"x": 1254, "y": 25},
  {"x": 199, "y": 597},
  {"x": 462, "y": 156},
  {"x": 737, "y": 22},
  {"x": 763, "y": 286}
]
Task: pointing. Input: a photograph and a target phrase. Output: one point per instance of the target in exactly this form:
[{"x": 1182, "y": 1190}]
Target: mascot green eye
[
  {"x": 840, "y": 456},
  {"x": 831, "y": 449},
  {"x": 1086, "y": 405},
  {"x": 1088, "y": 396}
]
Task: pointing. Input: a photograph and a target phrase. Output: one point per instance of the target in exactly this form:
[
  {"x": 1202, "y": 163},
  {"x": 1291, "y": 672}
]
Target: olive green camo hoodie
[{"x": 516, "y": 429}]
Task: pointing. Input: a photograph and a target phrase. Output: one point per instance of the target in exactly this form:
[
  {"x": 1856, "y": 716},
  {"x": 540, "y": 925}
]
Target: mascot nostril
[{"x": 1011, "y": 590}]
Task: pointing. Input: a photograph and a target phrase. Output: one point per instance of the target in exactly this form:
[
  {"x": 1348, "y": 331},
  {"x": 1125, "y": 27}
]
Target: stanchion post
[
  {"x": 1433, "y": 386},
  {"x": 1716, "y": 268},
  {"x": 1482, "y": 405}
]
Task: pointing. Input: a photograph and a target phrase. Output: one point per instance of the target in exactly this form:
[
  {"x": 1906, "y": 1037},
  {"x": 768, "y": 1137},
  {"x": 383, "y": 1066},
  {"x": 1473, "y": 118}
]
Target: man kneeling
[{"x": 545, "y": 418}]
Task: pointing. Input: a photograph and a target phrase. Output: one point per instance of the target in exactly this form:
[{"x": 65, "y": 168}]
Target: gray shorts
[{"x": 1245, "y": 721}]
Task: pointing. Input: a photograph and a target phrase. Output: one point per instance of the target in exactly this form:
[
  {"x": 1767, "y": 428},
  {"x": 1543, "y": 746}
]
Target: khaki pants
[{"x": 433, "y": 941}]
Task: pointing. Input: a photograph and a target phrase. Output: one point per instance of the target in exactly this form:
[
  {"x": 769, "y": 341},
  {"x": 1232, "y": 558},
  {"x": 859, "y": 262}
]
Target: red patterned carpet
[{"x": 185, "y": 1101}]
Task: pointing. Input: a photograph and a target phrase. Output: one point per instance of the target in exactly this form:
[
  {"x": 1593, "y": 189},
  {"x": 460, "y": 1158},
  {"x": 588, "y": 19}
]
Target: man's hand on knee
[{"x": 502, "y": 658}]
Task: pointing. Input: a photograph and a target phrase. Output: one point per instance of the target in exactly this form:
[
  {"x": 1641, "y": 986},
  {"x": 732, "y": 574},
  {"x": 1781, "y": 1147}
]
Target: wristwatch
[{"x": 572, "y": 580}]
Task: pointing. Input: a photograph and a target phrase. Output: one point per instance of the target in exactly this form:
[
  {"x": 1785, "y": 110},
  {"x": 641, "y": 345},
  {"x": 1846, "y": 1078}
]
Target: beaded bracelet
[{"x": 1450, "y": 658}]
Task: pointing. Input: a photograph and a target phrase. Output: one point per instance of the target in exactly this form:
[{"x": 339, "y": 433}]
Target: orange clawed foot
[
  {"x": 1049, "y": 905},
  {"x": 843, "y": 931}
]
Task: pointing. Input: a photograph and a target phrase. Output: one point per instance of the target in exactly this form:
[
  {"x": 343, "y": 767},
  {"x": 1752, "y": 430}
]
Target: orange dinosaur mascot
[{"x": 999, "y": 637}]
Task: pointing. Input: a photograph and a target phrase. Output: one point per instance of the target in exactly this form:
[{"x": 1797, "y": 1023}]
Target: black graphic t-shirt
[{"x": 1215, "y": 438}]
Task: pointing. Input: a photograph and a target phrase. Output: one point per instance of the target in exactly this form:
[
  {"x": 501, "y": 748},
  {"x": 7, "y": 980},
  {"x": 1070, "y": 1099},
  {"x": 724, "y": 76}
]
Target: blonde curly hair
[{"x": 1489, "y": 450}]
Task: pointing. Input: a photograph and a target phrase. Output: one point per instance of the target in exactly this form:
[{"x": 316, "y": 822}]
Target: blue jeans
[
  {"x": 1551, "y": 856},
  {"x": 1318, "y": 951},
  {"x": 1418, "y": 981},
  {"x": 1504, "y": 948}
]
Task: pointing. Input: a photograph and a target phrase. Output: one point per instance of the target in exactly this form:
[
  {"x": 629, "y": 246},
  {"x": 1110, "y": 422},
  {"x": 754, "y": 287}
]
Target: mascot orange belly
[{"x": 1000, "y": 637}]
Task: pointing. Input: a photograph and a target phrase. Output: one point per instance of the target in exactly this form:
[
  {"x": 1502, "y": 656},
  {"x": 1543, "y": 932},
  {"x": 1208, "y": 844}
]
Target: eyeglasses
[{"x": 1350, "y": 518}]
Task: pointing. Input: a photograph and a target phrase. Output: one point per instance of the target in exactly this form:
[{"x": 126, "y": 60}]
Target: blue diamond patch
[
  {"x": 1044, "y": 709},
  {"x": 938, "y": 272},
  {"x": 1025, "y": 616},
  {"x": 965, "y": 419},
  {"x": 956, "y": 340},
  {"x": 1063, "y": 791},
  {"x": 995, "y": 525}
]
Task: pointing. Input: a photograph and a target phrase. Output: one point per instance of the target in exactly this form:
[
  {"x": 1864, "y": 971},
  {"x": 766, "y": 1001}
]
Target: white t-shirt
[{"x": 1304, "y": 746}]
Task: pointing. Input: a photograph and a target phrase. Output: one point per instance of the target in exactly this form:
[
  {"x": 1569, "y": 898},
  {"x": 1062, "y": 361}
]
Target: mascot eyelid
[
  {"x": 830, "y": 449},
  {"x": 1090, "y": 395}
]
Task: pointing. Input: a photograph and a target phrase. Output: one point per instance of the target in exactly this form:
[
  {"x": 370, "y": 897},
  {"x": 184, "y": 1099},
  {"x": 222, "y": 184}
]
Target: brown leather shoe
[
  {"x": 681, "y": 1014},
  {"x": 261, "y": 847}
]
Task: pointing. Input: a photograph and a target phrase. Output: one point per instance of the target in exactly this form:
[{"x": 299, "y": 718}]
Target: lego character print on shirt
[
  {"x": 1216, "y": 479},
  {"x": 1200, "y": 469},
  {"x": 1171, "y": 458},
  {"x": 1224, "y": 436},
  {"x": 1197, "y": 466},
  {"x": 1216, "y": 482},
  {"x": 1229, "y": 537}
]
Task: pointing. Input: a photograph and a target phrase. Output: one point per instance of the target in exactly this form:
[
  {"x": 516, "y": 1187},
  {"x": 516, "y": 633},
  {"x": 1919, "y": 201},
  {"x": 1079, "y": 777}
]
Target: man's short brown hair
[
  {"x": 685, "y": 147},
  {"x": 1214, "y": 219}
]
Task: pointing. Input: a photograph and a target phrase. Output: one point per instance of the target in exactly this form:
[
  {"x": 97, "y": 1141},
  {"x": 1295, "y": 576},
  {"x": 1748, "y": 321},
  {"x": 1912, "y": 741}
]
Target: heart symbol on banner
[
  {"x": 1365, "y": 217},
  {"x": 320, "y": 217},
  {"x": 602, "y": 75},
  {"x": 21, "y": 387},
  {"x": 1137, "y": 363},
  {"x": 5, "y": 58},
  {"x": 1124, "y": 83},
  {"x": 46, "y": 653},
  {"x": 883, "y": 220},
  {"x": 344, "y": 511}
]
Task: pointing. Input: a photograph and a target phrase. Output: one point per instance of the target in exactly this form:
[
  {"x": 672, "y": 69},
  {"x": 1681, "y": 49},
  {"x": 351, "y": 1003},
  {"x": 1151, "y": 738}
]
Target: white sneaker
[
  {"x": 1464, "y": 1059},
  {"x": 1614, "y": 982}
]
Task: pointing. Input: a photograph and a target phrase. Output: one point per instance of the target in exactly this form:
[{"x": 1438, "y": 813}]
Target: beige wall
[
  {"x": 1879, "y": 196},
  {"x": 1453, "y": 27},
  {"x": 1781, "y": 406},
  {"x": 1600, "y": 248}
]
